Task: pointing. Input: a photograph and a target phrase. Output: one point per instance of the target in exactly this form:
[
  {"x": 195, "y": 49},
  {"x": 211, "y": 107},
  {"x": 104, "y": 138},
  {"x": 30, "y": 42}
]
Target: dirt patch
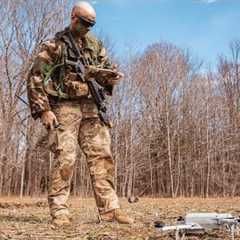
[{"x": 28, "y": 218}]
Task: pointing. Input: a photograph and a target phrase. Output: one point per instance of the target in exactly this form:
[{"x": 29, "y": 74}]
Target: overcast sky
[{"x": 206, "y": 27}]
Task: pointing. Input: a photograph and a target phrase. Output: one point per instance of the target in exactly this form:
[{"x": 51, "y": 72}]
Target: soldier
[{"x": 66, "y": 108}]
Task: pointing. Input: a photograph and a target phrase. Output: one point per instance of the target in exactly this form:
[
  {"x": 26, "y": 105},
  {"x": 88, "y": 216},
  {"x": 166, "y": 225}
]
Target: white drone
[{"x": 198, "y": 223}]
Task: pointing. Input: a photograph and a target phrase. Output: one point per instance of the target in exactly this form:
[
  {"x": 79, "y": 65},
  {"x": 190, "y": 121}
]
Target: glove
[
  {"x": 114, "y": 81},
  {"x": 49, "y": 120}
]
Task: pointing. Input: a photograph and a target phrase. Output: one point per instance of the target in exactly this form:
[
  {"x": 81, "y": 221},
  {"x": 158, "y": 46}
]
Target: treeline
[{"x": 176, "y": 124}]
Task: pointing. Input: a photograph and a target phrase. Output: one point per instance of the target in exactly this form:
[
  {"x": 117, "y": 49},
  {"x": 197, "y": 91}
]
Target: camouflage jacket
[{"x": 49, "y": 64}]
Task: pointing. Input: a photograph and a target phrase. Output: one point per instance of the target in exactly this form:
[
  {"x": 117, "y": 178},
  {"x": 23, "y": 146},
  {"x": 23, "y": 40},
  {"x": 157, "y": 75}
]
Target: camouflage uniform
[{"x": 79, "y": 122}]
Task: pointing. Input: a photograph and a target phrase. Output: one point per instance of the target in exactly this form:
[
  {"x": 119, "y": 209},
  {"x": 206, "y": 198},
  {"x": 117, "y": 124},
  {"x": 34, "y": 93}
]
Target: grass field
[{"x": 28, "y": 218}]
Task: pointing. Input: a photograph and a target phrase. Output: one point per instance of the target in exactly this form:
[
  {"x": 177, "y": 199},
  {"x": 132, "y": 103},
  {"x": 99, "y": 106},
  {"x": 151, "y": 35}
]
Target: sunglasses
[{"x": 85, "y": 22}]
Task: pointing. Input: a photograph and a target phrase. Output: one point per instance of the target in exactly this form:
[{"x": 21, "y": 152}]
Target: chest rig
[{"x": 64, "y": 80}]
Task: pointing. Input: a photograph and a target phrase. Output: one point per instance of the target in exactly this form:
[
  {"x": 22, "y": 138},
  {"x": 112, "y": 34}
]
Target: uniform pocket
[
  {"x": 54, "y": 139},
  {"x": 89, "y": 109}
]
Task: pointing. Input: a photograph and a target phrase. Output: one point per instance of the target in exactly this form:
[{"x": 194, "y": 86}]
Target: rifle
[
  {"x": 96, "y": 90},
  {"x": 87, "y": 74}
]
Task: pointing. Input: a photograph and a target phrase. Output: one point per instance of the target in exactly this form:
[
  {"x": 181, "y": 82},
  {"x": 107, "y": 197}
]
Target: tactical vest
[{"x": 62, "y": 80}]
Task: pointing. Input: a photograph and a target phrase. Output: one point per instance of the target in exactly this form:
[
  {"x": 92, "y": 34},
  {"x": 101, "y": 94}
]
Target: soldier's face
[{"x": 80, "y": 26}]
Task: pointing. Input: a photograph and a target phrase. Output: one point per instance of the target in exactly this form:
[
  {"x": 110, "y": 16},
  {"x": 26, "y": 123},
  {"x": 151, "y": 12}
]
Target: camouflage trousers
[{"x": 79, "y": 124}]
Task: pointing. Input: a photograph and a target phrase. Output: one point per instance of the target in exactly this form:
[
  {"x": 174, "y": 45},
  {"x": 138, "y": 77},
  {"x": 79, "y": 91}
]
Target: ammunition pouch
[
  {"x": 69, "y": 88},
  {"x": 74, "y": 87}
]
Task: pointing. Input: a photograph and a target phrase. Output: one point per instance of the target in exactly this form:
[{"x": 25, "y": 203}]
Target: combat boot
[
  {"x": 60, "y": 221},
  {"x": 116, "y": 215}
]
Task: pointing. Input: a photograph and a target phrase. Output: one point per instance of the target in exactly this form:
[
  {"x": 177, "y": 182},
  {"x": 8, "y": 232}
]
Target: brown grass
[{"x": 28, "y": 218}]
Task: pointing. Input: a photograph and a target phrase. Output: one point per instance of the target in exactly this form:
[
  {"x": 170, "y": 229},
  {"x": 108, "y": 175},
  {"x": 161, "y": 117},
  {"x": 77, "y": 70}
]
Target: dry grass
[{"x": 29, "y": 218}]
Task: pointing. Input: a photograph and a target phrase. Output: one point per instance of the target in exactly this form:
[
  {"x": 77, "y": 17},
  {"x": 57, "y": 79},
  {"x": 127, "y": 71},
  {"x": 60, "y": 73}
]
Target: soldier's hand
[
  {"x": 49, "y": 120},
  {"x": 115, "y": 80}
]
